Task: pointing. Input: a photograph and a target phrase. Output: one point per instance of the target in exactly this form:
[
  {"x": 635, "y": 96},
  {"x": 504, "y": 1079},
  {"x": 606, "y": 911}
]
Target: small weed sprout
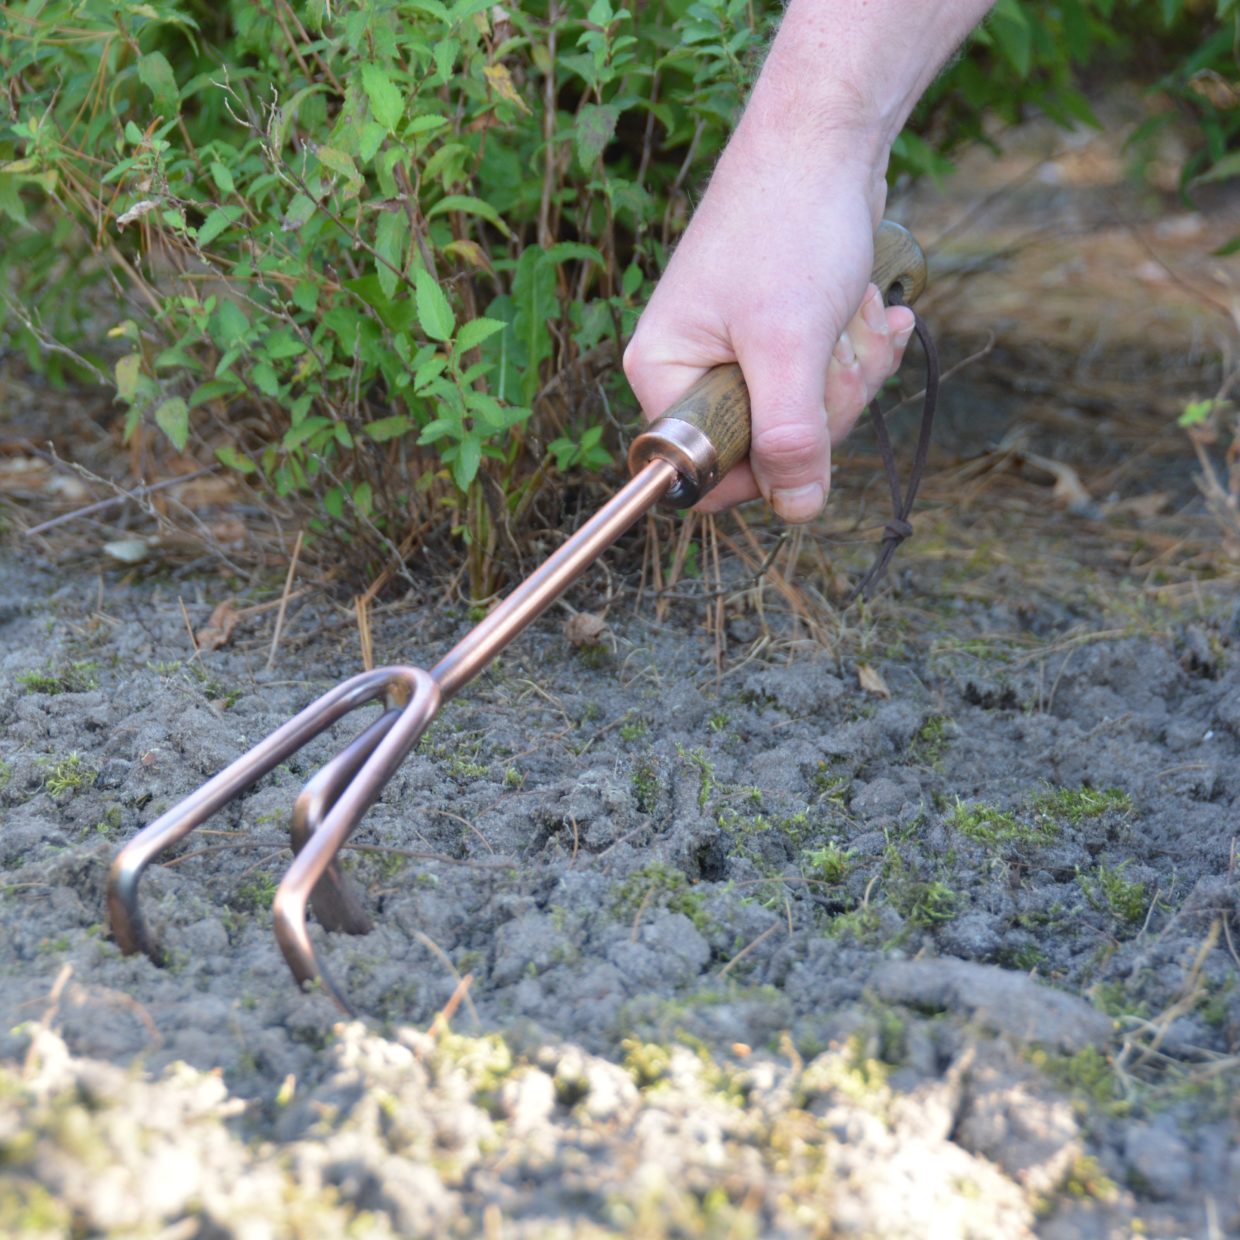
[
  {"x": 110, "y": 823},
  {"x": 254, "y": 894},
  {"x": 634, "y": 730},
  {"x": 930, "y": 903},
  {"x": 706, "y": 772},
  {"x": 826, "y": 865},
  {"x": 1087, "y": 1179},
  {"x": 1109, "y": 891},
  {"x": 831, "y": 787},
  {"x": 657, "y": 886},
  {"x": 646, "y": 1062},
  {"x": 983, "y": 824},
  {"x": 930, "y": 743},
  {"x": 645, "y": 785},
  {"x": 70, "y": 775},
  {"x": 1077, "y": 804},
  {"x": 77, "y": 677}
]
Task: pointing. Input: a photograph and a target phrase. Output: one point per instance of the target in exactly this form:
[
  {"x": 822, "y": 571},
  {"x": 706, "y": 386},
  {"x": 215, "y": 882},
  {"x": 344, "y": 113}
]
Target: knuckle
[
  {"x": 634, "y": 359},
  {"x": 788, "y": 446}
]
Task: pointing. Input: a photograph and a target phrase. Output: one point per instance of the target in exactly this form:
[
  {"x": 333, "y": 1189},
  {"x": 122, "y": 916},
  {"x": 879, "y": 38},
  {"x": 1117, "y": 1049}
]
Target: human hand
[{"x": 772, "y": 272}]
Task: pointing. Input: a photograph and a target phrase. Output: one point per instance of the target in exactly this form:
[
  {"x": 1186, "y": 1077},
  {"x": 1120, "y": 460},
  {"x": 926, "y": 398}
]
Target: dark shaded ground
[{"x": 755, "y": 951}]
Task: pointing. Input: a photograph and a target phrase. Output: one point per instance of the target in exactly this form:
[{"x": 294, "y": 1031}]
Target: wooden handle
[{"x": 706, "y": 432}]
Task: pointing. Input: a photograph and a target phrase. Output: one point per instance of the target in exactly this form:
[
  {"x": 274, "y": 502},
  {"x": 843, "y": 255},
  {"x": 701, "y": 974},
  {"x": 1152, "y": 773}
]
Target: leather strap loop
[{"x": 899, "y": 528}]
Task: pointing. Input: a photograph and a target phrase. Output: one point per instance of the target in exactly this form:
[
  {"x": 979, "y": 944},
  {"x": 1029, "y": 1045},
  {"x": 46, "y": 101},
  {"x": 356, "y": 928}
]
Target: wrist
[{"x": 842, "y": 77}]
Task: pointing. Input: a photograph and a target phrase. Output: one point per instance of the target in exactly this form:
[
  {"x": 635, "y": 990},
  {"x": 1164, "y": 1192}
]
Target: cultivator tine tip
[{"x": 329, "y": 808}]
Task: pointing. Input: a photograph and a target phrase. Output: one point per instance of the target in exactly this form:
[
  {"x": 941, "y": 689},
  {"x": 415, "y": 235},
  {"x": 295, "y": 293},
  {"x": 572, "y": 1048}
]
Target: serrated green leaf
[
  {"x": 306, "y": 296},
  {"x": 223, "y": 178},
  {"x": 281, "y": 344},
  {"x": 155, "y": 73},
  {"x": 214, "y": 388},
  {"x": 434, "y": 310},
  {"x": 468, "y": 458},
  {"x": 11, "y": 200},
  {"x": 172, "y": 417},
  {"x": 448, "y": 161},
  {"x": 127, "y": 370},
  {"x": 596, "y": 126},
  {"x": 426, "y": 123},
  {"x": 386, "y": 102},
  {"x": 436, "y": 430},
  {"x": 339, "y": 163},
  {"x": 228, "y": 455},
  {"x": 370, "y": 141},
  {"x": 390, "y": 238},
  {"x": 228, "y": 325},
  {"x": 470, "y": 206},
  {"x": 263, "y": 376},
  {"x": 295, "y": 436},
  {"x": 428, "y": 371},
  {"x": 475, "y": 332},
  {"x": 569, "y": 251},
  {"x": 445, "y": 53},
  {"x": 488, "y": 408},
  {"x": 299, "y": 211},
  {"x": 384, "y": 429},
  {"x": 216, "y": 222}
]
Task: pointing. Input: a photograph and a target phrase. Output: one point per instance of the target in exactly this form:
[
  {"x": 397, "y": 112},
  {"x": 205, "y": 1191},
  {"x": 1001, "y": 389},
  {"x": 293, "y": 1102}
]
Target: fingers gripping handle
[{"x": 706, "y": 432}]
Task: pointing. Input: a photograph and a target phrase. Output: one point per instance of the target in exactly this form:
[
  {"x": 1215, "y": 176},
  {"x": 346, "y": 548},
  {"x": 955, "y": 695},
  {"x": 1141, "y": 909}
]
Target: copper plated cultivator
[{"x": 677, "y": 459}]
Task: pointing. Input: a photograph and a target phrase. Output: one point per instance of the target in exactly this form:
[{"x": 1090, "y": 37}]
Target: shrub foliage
[{"x": 379, "y": 256}]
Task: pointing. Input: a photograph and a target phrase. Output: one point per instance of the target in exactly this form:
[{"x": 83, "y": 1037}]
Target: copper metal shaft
[
  {"x": 542, "y": 587},
  {"x": 334, "y": 800}
]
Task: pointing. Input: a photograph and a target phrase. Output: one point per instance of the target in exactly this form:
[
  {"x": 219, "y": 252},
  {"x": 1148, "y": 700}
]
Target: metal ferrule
[{"x": 684, "y": 447}]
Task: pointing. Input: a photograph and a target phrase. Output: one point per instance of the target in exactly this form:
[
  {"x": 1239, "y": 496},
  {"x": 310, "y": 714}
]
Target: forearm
[{"x": 849, "y": 72}]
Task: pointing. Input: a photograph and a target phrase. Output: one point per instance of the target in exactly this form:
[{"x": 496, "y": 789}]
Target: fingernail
[
  {"x": 874, "y": 313},
  {"x": 902, "y": 337},
  {"x": 845, "y": 354},
  {"x": 797, "y": 504}
]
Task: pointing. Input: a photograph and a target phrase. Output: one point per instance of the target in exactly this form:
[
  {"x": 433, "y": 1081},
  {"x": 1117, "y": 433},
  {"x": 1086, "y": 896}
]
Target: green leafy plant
[
  {"x": 75, "y": 677},
  {"x": 69, "y": 776},
  {"x": 828, "y": 864},
  {"x": 378, "y": 258},
  {"x": 1108, "y": 890}
]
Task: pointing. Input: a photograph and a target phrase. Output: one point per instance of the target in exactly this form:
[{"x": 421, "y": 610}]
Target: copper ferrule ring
[{"x": 684, "y": 447}]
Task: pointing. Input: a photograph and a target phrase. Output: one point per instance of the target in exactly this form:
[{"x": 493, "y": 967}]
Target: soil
[{"x": 906, "y": 920}]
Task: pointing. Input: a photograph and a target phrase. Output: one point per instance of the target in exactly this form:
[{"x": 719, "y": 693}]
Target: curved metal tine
[
  {"x": 334, "y": 899},
  {"x": 320, "y": 849},
  {"x": 128, "y": 928}
]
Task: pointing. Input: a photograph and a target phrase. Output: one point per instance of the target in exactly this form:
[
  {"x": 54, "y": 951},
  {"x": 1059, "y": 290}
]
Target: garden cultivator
[{"x": 677, "y": 459}]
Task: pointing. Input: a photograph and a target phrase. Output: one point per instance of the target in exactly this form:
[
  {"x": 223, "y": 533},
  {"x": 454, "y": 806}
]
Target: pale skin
[{"x": 772, "y": 271}]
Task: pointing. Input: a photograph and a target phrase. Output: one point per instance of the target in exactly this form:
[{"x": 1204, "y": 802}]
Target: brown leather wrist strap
[{"x": 899, "y": 528}]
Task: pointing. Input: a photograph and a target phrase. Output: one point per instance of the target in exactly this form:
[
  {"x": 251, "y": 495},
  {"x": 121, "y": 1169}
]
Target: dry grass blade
[
  {"x": 361, "y": 609},
  {"x": 284, "y": 599},
  {"x": 443, "y": 1018}
]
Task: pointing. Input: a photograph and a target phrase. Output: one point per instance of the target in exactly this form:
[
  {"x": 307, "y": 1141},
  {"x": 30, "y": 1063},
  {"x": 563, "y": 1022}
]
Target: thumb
[{"x": 790, "y": 449}]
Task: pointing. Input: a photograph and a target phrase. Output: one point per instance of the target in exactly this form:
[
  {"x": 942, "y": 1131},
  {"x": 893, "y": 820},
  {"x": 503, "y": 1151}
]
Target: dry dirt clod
[{"x": 584, "y": 629}]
